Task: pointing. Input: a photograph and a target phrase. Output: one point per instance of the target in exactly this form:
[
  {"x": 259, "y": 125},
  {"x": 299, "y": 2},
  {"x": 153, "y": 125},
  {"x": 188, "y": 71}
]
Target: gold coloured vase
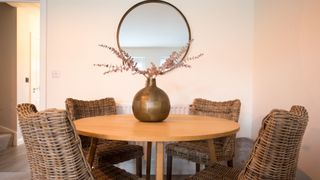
[{"x": 151, "y": 104}]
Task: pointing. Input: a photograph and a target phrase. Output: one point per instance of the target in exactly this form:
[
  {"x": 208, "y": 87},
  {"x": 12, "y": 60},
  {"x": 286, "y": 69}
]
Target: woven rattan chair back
[
  {"x": 77, "y": 109},
  {"x": 25, "y": 109},
  {"x": 226, "y": 109},
  {"x": 52, "y": 144},
  {"x": 80, "y": 109},
  {"x": 107, "y": 151},
  {"x": 276, "y": 150},
  {"x": 198, "y": 151},
  {"x": 225, "y": 146}
]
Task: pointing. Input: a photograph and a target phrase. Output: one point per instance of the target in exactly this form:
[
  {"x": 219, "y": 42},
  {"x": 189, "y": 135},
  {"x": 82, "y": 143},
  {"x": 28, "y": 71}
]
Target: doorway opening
[{"x": 28, "y": 55}]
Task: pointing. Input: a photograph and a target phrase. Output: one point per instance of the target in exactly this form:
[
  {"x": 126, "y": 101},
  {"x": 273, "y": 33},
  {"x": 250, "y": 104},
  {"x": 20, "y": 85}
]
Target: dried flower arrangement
[{"x": 128, "y": 64}]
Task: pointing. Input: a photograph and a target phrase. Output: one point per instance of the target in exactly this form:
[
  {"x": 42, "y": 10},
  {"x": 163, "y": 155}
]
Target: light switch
[{"x": 55, "y": 74}]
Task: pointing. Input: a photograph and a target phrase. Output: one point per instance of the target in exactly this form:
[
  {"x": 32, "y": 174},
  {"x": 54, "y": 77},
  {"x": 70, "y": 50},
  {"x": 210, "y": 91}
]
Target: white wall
[
  {"x": 223, "y": 31},
  {"x": 8, "y": 70},
  {"x": 286, "y": 63},
  {"x": 263, "y": 52}
]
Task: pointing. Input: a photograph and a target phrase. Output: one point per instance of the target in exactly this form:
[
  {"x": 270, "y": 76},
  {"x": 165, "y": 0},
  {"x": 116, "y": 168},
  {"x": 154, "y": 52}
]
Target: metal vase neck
[{"x": 151, "y": 82}]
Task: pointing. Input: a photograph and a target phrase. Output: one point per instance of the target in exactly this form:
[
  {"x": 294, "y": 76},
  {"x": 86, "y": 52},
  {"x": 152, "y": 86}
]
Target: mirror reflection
[{"x": 150, "y": 31}]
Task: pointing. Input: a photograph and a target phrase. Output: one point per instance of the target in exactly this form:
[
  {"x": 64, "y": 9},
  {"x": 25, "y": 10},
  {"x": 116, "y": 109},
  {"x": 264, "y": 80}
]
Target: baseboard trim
[{"x": 14, "y": 134}]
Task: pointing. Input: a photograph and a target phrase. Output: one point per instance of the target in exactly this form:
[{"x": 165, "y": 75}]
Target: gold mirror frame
[{"x": 153, "y": 1}]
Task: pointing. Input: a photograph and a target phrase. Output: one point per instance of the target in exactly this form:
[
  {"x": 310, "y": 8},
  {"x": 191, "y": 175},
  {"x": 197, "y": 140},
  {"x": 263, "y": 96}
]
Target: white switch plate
[{"x": 55, "y": 74}]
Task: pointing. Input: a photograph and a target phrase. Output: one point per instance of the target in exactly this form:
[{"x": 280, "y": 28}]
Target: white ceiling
[
  {"x": 20, "y": 1},
  {"x": 24, "y": 4}
]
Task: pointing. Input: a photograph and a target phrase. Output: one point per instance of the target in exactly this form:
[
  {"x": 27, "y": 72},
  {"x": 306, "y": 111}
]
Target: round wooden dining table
[{"x": 174, "y": 128}]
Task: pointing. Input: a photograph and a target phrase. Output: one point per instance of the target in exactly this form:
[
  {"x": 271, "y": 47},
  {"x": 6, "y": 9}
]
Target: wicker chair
[
  {"x": 54, "y": 148},
  {"x": 198, "y": 151},
  {"x": 275, "y": 153},
  {"x": 112, "y": 152}
]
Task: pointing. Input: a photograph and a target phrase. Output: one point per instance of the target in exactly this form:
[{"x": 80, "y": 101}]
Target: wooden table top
[{"x": 174, "y": 128}]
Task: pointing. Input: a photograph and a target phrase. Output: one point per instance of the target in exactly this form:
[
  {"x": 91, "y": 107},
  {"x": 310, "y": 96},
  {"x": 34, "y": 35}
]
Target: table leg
[
  {"x": 148, "y": 167},
  {"x": 212, "y": 151},
  {"x": 159, "y": 161},
  {"x": 92, "y": 151}
]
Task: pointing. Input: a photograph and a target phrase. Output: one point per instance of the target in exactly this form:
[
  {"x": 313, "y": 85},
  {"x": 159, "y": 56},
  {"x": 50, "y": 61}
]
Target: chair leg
[
  {"x": 92, "y": 151},
  {"x": 169, "y": 167},
  {"x": 149, "y": 151},
  {"x": 230, "y": 163},
  {"x": 197, "y": 167},
  {"x": 139, "y": 166}
]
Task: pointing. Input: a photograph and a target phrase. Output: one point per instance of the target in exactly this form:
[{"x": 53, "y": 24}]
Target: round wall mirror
[{"x": 151, "y": 30}]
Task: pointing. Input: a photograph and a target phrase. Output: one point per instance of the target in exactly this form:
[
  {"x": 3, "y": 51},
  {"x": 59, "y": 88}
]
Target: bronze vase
[{"x": 151, "y": 104}]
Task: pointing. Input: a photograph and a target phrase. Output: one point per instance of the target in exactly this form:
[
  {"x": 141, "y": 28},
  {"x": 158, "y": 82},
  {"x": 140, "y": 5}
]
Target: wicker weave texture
[
  {"x": 24, "y": 110},
  {"x": 80, "y": 108},
  {"x": 54, "y": 148},
  {"x": 224, "y": 109},
  {"x": 112, "y": 152},
  {"x": 77, "y": 109},
  {"x": 217, "y": 171},
  {"x": 276, "y": 150},
  {"x": 198, "y": 151}
]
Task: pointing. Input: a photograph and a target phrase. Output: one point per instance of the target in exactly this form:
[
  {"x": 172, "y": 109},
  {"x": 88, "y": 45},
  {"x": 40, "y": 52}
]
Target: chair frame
[
  {"x": 54, "y": 149},
  {"x": 224, "y": 146},
  {"x": 94, "y": 147},
  {"x": 275, "y": 152}
]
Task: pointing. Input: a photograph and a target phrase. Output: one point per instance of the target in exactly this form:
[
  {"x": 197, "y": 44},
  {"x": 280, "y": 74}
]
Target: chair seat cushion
[
  {"x": 216, "y": 171},
  {"x": 111, "y": 172},
  {"x": 198, "y": 151},
  {"x": 115, "y": 152}
]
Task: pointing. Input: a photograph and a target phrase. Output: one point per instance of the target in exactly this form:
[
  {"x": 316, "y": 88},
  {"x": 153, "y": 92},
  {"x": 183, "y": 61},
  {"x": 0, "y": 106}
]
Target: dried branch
[{"x": 128, "y": 63}]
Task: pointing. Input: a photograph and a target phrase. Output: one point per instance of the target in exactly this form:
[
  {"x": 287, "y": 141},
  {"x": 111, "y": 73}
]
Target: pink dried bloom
[{"x": 128, "y": 63}]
